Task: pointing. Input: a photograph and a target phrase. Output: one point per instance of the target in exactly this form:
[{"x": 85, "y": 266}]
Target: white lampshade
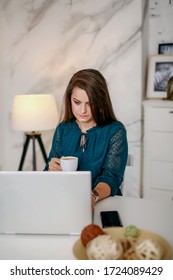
[{"x": 34, "y": 112}]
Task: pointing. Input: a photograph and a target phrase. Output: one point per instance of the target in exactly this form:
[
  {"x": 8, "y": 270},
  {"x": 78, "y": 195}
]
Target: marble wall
[{"x": 45, "y": 42}]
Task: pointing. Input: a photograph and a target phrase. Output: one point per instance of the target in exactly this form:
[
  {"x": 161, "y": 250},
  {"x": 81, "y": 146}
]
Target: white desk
[{"x": 146, "y": 214}]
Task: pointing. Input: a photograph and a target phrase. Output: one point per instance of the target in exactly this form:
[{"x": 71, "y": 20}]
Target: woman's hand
[
  {"x": 93, "y": 202},
  {"x": 94, "y": 199},
  {"x": 54, "y": 165}
]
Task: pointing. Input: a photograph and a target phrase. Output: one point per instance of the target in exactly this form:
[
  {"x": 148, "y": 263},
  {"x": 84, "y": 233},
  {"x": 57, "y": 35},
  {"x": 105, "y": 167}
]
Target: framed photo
[
  {"x": 160, "y": 70},
  {"x": 166, "y": 48}
]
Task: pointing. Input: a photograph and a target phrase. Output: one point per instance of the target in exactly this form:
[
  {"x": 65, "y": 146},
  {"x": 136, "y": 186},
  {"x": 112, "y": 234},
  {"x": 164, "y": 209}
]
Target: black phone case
[{"x": 110, "y": 219}]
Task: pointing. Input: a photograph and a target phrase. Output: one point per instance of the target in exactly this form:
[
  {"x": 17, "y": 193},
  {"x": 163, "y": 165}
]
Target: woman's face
[{"x": 81, "y": 106}]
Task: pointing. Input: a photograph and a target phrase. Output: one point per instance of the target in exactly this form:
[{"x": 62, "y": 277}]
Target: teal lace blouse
[{"x": 104, "y": 154}]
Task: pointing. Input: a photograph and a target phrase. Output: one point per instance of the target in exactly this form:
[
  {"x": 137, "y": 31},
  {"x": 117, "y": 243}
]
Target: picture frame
[
  {"x": 160, "y": 70},
  {"x": 166, "y": 48}
]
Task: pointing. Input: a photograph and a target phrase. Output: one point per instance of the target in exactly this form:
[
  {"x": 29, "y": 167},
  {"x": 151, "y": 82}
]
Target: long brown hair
[{"x": 93, "y": 82}]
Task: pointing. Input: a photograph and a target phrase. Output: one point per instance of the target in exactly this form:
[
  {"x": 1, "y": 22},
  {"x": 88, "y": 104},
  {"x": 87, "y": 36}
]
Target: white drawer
[
  {"x": 158, "y": 195},
  {"x": 161, "y": 145},
  {"x": 161, "y": 119},
  {"x": 160, "y": 175}
]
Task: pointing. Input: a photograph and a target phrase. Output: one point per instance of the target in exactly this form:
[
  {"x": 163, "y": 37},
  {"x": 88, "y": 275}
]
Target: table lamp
[{"x": 34, "y": 113}]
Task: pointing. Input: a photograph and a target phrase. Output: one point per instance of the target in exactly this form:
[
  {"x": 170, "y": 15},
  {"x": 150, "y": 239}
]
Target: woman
[{"x": 90, "y": 131}]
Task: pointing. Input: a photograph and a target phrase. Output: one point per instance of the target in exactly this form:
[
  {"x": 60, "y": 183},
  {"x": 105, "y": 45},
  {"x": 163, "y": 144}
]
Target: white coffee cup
[{"x": 69, "y": 163}]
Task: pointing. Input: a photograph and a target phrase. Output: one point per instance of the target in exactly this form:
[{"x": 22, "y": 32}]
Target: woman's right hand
[{"x": 54, "y": 165}]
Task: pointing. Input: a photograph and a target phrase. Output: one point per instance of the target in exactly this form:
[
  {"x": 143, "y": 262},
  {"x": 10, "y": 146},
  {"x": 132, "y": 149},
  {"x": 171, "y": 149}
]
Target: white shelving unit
[{"x": 158, "y": 150}]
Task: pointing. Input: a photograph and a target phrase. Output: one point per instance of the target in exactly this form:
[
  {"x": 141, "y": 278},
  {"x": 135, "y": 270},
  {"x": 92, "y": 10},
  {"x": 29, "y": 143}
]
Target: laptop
[{"x": 45, "y": 202}]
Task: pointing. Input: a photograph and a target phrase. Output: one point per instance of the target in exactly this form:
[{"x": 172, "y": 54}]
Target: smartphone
[{"x": 110, "y": 219}]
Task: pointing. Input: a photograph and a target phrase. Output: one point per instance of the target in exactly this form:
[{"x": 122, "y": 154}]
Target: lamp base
[{"x": 32, "y": 136}]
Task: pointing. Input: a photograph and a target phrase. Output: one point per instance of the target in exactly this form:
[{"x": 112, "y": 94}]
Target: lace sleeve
[{"x": 114, "y": 166}]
